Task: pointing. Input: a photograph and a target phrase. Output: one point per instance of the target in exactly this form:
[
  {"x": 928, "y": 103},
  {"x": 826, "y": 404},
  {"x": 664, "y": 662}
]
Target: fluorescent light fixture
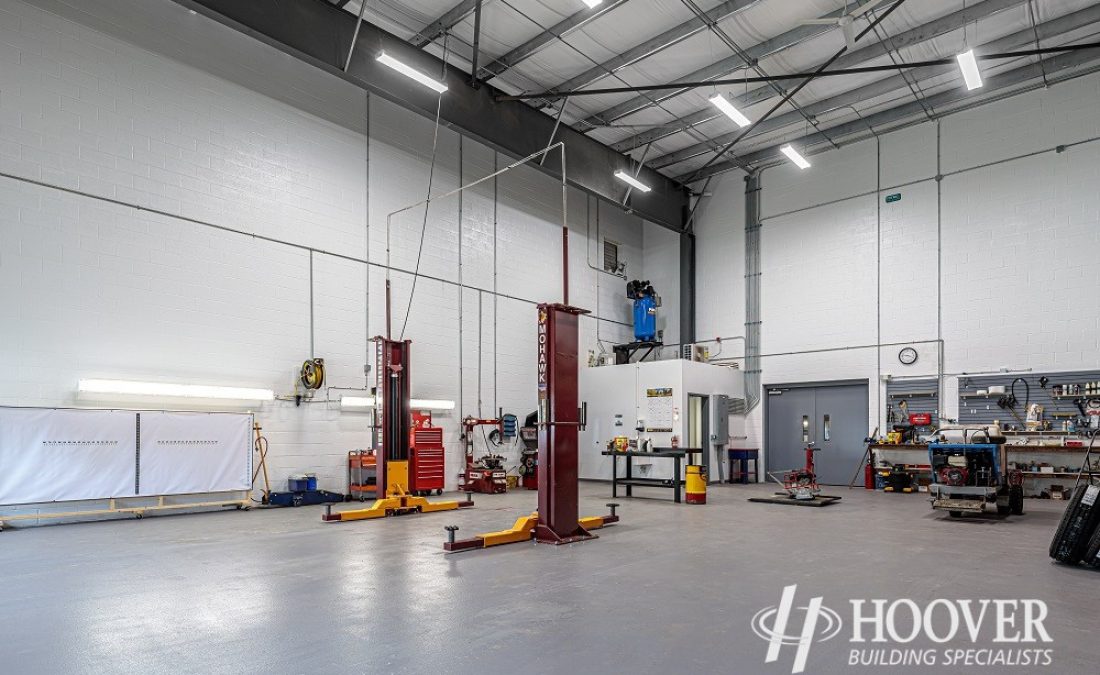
[
  {"x": 793, "y": 155},
  {"x": 734, "y": 114},
  {"x": 591, "y": 3},
  {"x": 363, "y": 402},
  {"x": 969, "y": 67},
  {"x": 410, "y": 72},
  {"x": 632, "y": 181},
  {"x": 178, "y": 390},
  {"x": 356, "y": 402}
]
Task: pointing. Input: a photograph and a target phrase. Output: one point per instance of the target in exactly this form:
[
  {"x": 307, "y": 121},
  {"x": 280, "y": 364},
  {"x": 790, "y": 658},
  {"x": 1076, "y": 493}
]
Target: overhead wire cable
[{"x": 428, "y": 196}]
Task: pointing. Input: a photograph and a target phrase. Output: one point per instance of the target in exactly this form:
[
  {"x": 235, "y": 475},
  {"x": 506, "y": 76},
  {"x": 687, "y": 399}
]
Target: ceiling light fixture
[
  {"x": 431, "y": 404},
  {"x": 794, "y": 156},
  {"x": 178, "y": 390},
  {"x": 632, "y": 181},
  {"x": 733, "y": 113},
  {"x": 410, "y": 72},
  {"x": 591, "y": 3},
  {"x": 356, "y": 402},
  {"x": 364, "y": 402},
  {"x": 969, "y": 67}
]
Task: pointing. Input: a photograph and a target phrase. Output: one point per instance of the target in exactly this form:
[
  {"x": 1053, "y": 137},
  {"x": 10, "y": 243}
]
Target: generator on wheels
[{"x": 971, "y": 478}]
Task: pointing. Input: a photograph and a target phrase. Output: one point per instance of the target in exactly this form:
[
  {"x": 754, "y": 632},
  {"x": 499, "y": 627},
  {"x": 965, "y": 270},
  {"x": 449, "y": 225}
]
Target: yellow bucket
[{"x": 695, "y": 487}]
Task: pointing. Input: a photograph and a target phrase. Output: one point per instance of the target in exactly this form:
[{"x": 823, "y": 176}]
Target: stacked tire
[
  {"x": 1092, "y": 554},
  {"x": 1078, "y": 538}
]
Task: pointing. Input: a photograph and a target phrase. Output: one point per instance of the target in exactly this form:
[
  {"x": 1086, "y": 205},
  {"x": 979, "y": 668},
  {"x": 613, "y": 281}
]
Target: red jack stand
[{"x": 560, "y": 417}]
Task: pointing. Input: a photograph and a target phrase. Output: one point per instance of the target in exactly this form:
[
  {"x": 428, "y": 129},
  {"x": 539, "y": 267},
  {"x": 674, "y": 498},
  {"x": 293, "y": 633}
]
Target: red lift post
[
  {"x": 394, "y": 434},
  {"x": 560, "y": 418}
]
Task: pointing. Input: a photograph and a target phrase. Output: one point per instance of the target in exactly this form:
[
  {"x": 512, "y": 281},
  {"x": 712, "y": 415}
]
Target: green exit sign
[{"x": 896, "y": 197}]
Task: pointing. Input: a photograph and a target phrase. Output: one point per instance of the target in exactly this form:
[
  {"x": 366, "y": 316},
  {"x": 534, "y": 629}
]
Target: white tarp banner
[
  {"x": 183, "y": 453},
  {"x": 51, "y": 455}
]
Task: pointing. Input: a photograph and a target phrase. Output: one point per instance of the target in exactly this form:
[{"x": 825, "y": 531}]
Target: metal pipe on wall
[
  {"x": 940, "y": 391},
  {"x": 367, "y": 355},
  {"x": 878, "y": 279},
  {"x": 461, "y": 292},
  {"x": 752, "y": 291},
  {"x": 564, "y": 232},
  {"x": 824, "y": 350},
  {"x": 496, "y": 303}
]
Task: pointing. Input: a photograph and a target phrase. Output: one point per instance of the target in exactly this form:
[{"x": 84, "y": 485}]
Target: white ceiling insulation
[{"x": 681, "y": 128}]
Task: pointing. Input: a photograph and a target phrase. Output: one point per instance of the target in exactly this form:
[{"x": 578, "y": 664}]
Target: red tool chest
[{"x": 426, "y": 461}]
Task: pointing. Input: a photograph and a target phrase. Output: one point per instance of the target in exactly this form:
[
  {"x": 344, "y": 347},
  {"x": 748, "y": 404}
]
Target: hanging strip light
[
  {"x": 131, "y": 388},
  {"x": 632, "y": 181},
  {"x": 410, "y": 72},
  {"x": 968, "y": 64},
  {"x": 723, "y": 104},
  {"x": 794, "y": 156}
]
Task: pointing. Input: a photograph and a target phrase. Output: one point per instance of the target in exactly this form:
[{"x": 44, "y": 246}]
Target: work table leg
[{"x": 676, "y": 478}]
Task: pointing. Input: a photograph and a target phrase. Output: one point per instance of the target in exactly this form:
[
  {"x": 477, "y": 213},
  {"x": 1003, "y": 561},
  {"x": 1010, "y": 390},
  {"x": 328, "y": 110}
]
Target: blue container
[
  {"x": 311, "y": 481},
  {"x": 645, "y": 319},
  {"x": 297, "y": 483}
]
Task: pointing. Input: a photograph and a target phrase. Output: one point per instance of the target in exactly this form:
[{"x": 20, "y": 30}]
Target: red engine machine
[
  {"x": 487, "y": 474},
  {"x": 802, "y": 483},
  {"x": 426, "y": 463}
]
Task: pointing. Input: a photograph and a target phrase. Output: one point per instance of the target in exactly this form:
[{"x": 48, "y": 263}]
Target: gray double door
[{"x": 834, "y": 416}]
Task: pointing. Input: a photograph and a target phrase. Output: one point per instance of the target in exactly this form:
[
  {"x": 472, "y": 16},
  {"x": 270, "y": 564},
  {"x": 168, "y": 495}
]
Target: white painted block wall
[
  {"x": 842, "y": 269},
  {"x": 90, "y": 288}
]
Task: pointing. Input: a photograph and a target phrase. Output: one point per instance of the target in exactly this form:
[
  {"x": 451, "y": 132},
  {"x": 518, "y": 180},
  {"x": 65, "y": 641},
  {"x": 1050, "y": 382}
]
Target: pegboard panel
[
  {"x": 920, "y": 396},
  {"x": 977, "y": 409}
]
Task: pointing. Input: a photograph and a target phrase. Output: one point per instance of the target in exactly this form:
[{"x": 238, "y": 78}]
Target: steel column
[
  {"x": 475, "y": 82},
  {"x": 687, "y": 287}
]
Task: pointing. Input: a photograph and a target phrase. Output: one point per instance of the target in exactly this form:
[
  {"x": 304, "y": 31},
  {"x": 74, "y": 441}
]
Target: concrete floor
[{"x": 672, "y": 588}]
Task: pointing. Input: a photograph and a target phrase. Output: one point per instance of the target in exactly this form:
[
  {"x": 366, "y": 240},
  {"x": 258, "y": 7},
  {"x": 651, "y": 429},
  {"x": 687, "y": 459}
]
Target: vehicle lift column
[
  {"x": 391, "y": 433},
  {"x": 560, "y": 418}
]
